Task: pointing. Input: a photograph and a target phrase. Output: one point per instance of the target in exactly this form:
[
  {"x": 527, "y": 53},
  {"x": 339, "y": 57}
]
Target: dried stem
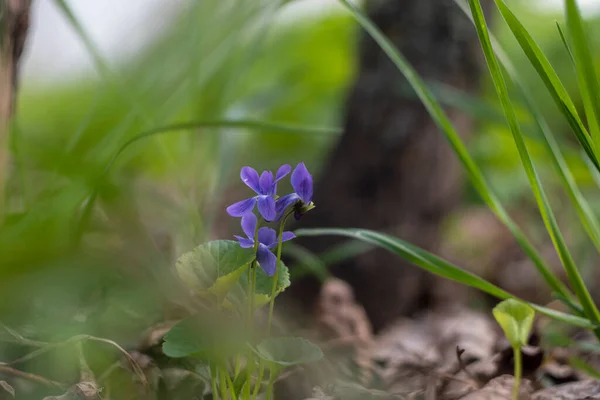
[
  {"x": 32, "y": 377},
  {"x": 46, "y": 347},
  {"x": 14, "y": 23}
]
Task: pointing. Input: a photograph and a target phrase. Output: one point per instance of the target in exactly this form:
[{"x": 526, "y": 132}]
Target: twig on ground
[
  {"x": 46, "y": 347},
  {"x": 32, "y": 377},
  {"x": 461, "y": 364}
]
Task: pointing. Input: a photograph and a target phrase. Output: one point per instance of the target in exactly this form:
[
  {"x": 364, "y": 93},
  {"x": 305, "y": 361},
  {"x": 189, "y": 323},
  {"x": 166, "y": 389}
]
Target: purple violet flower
[
  {"x": 302, "y": 182},
  {"x": 267, "y": 239},
  {"x": 266, "y": 189}
]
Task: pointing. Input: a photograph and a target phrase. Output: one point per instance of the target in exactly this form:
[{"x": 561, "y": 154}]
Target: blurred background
[{"x": 92, "y": 230}]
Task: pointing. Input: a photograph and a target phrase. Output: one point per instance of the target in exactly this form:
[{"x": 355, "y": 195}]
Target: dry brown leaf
[
  {"x": 344, "y": 324},
  {"x": 418, "y": 355},
  {"x": 500, "y": 388},
  {"x": 588, "y": 390}
]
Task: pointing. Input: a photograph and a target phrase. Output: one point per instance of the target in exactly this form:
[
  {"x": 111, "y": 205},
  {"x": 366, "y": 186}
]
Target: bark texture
[
  {"x": 393, "y": 170},
  {"x": 14, "y": 23}
]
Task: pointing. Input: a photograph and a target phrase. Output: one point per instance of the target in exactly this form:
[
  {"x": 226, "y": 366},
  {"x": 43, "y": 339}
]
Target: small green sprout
[{"x": 516, "y": 319}]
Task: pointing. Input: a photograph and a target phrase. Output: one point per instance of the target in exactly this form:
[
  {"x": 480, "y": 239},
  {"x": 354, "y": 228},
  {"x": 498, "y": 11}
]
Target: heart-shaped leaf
[
  {"x": 214, "y": 267},
  {"x": 283, "y": 352},
  {"x": 212, "y": 337},
  {"x": 264, "y": 284},
  {"x": 515, "y": 318}
]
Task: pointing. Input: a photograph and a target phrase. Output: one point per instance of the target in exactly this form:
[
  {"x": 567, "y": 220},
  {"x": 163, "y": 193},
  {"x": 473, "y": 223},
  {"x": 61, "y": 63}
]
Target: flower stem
[
  {"x": 517, "y": 373},
  {"x": 213, "y": 384},
  {"x": 261, "y": 370},
  {"x": 258, "y": 384},
  {"x": 236, "y": 370},
  {"x": 231, "y": 387},
  {"x": 250, "y": 323},
  {"x": 276, "y": 276},
  {"x": 251, "y": 289},
  {"x": 223, "y": 384},
  {"x": 272, "y": 380}
]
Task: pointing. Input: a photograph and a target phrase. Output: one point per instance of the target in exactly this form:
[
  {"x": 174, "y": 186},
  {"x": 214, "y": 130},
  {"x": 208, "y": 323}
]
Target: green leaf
[
  {"x": 443, "y": 122},
  {"x": 308, "y": 262},
  {"x": 241, "y": 124},
  {"x": 264, "y": 284},
  {"x": 559, "y": 340},
  {"x": 438, "y": 266},
  {"x": 548, "y": 217},
  {"x": 565, "y": 43},
  {"x": 211, "y": 337},
  {"x": 283, "y": 352},
  {"x": 214, "y": 267},
  {"x": 586, "y": 72},
  {"x": 584, "y": 211},
  {"x": 550, "y": 79},
  {"x": 515, "y": 318},
  {"x": 240, "y": 381},
  {"x": 582, "y": 365}
]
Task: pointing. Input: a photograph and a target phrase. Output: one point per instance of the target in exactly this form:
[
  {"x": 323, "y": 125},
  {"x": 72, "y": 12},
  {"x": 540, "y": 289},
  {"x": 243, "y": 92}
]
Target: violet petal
[
  {"x": 266, "y": 259},
  {"x": 266, "y": 207},
  {"x": 250, "y": 177},
  {"x": 241, "y": 207}
]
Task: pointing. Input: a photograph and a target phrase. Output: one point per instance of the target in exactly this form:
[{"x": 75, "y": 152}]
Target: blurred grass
[
  {"x": 493, "y": 148},
  {"x": 220, "y": 60}
]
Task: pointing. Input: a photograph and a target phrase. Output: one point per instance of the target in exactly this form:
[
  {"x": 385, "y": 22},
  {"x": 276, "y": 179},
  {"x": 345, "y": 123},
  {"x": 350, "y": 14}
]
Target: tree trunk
[
  {"x": 14, "y": 22},
  {"x": 392, "y": 170}
]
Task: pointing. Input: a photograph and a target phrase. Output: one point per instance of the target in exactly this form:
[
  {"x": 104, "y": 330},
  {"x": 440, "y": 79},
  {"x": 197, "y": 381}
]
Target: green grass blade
[
  {"x": 564, "y": 254},
  {"x": 584, "y": 211},
  {"x": 84, "y": 37},
  {"x": 345, "y": 251},
  {"x": 441, "y": 119},
  {"x": 582, "y": 365},
  {"x": 593, "y": 171},
  {"x": 242, "y": 124},
  {"x": 588, "y": 219},
  {"x": 550, "y": 79},
  {"x": 565, "y": 42},
  {"x": 586, "y": 73},
  {"x": 436, "y": 265},
  {"x": 309, "y": 263},
  {"x": 98, "y": 60},
  {"x": 317, "y": 264}
]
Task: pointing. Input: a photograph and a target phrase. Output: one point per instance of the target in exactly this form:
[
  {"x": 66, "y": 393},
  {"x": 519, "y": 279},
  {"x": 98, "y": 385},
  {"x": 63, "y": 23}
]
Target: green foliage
[
  {"x": 586, "y": 72},
  {"x": 516, "y": 319},
  {"x": 492, "y": 145},
  {"x": 149, "y": 146},
  {"x": 550, "y": 79},
  {"x": 566, "y": 105},
  {"x": 214, "y": 267},
  {"x": 283, "y": 352},
  {"x": 263, "y": 285},
  {"x": 438, "y": 266},
  {"x": 211, "y": 338},
  {"x": 575, "y": 278},
  {"x": 95, "y": 184},
  {"x": 473, "y": 172},
  {"x": 584, "y": 366}
]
